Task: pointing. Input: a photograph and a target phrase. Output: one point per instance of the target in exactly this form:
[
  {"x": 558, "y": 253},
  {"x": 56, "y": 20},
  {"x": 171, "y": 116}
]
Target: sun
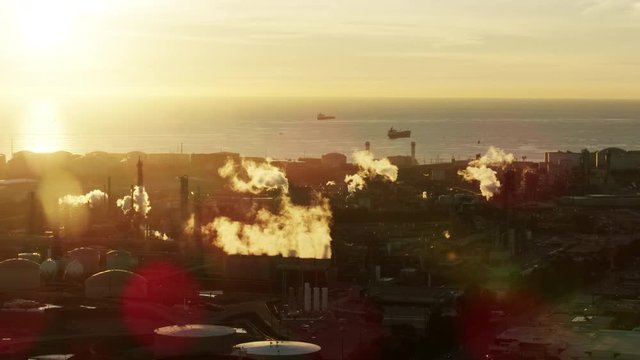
[{"x": 46, "y": 25}]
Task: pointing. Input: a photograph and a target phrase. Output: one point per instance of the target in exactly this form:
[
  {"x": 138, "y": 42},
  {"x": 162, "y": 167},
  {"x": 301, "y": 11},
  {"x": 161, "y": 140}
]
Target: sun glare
[
  {"x": 45, "y": 25},
  {"x": 41, "y": 128}
]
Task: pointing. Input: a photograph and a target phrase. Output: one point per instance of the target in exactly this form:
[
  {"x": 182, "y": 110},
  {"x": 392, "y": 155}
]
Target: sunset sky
[{"x": 418, "y": 48}]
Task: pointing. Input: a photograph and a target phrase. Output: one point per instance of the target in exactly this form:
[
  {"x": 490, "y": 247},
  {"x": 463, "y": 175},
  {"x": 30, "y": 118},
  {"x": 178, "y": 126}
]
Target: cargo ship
[
  {"x": 398, "y": 134},
  {"x": 322, "y": 116}
]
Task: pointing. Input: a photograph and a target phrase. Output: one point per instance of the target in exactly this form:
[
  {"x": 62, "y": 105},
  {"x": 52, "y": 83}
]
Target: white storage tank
[
  {"x": 182, "y": 340},
  {"x": 289, "y": 350},
  {"x": 88, "y": 257},
  {"x": 119, "y": 260},
  {"x": 30, "y": 256},
  {"x": 19, "y": 274},
  {"x": 113, "y": 283}
]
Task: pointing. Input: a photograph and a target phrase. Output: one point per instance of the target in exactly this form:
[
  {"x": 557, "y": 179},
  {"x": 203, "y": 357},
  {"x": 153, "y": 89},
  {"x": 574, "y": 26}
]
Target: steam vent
[{"x": 181, "y": 340}]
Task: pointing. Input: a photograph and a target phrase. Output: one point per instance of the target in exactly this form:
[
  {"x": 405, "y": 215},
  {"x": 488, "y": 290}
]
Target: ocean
[{"x": 286, "y": 128}]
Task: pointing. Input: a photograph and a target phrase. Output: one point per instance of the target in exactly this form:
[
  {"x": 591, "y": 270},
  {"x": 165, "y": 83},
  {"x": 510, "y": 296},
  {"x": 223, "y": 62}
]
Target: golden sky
[{"x": 416, "y": 48}]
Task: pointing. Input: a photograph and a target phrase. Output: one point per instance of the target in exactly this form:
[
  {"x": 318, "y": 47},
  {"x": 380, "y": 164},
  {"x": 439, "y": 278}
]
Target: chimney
[
  {"x": 413, "y": 151},
  {"x": 140, "y": 175},
  {"x": 367, "y": 146}
]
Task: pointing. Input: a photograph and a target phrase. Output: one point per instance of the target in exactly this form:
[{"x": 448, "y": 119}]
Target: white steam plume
[
  {"x": 92, "y": 198},
  {"x": 140, "y": 203},
  {"x": 261, "y": 177},
  {"x": 480, "y": 170},
  {"x": 291, "y": 231},
  {"x": 354, "y": 182},
  {"x": 331, "y": 183},
  {"x": 369, "y": 168},
  {"x": 161, "y": 236}
]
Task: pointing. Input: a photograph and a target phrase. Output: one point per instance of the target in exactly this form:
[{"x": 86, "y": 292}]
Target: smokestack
[
  {"x": 509, "y": 187},
  {"x": 413, "y": 151},
  {"x": 140, "y": 174},
  {"x": 367, "y": 146},
  {"x": 184, "y": 197}
]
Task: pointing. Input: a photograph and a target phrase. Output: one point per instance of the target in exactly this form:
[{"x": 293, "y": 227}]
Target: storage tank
[
  {"x": 48, "y": 269},
  {"x": 19, "y": 274},
  {"x": 115, "y": 283},
  {"x": 287, "y": 350},
  {"x": 119, "y": 259},
  {"x": 88, "y": 257},
  {"x": 74, "y": 270},
  {"x": 183, "y": 340},
  {"x": 30, "y": 256}
]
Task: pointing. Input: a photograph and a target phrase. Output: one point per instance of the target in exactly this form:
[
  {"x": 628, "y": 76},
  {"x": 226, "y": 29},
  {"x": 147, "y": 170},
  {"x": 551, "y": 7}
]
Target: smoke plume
[
  {"x": 92, "y": 198},
  {"x": 291, "y": 230},
  {"x": 161, "y": 236},
  {"x": 369, "y": 168},
  {"x": 480, "y": 170},
  {"x": 261, "y": 177},
  {"x": 139, "y": 203}
]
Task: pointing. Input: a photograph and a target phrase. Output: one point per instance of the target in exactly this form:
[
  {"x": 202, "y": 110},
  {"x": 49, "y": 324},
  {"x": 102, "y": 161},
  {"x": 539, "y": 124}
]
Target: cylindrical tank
[
  {"x": 48, "y": 269},
  {"x": 182, "y": 340},
  {"x": 88, "y": 257},
  {"x": 316, "y": 299},
  {"x": 52, "y": 357},
  {"x": 285, "y": 350},
  {"x": 19, "y": 274},
  {"x": 30, "y": 256},
  {"x": 307, "y": 297},
  {"x": 115, "y": 284},
  {"x": 119, "y": 259},
  {"x": 74, "y": 270}
]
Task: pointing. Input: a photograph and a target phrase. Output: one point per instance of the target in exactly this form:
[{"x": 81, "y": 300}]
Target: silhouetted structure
[{"x": 140, "y": 173}]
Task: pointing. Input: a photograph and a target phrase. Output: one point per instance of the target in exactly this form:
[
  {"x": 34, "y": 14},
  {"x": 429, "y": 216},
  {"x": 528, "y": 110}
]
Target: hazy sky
[{"x": 430, "y": 48}]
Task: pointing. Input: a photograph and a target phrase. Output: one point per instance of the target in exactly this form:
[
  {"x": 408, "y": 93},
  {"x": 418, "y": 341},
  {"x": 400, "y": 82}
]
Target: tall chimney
[
  {"x": 413, "y": 151},
  {"x": 367, "y": 146},
  {"x": 140, "y": 174}
]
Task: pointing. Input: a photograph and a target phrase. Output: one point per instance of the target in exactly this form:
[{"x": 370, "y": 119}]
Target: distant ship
[
  {"x": 395, "y": 134},
  {"x": 322, "y": 116}
]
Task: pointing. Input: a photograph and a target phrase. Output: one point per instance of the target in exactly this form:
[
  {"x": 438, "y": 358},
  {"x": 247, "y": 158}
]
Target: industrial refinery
[{"x": 166, "y": 256}]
